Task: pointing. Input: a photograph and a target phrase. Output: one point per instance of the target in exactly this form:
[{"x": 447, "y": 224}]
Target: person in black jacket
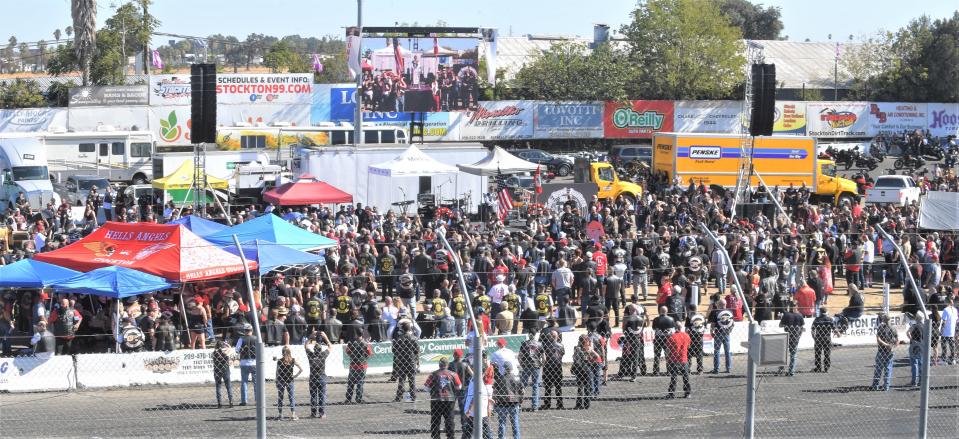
[
  {"x": 633, "y": 347},
  {"x": 246, "y": 347},
  {"x": 553, "y": 352},
  {"x": 822, "y": 329},
  {"x": 221, "y": 372},
  {"x": 531, "y": 357},
  {"x": 406, "y": 356},
  {"x": 662, "y": 325},
  {"x": 792, "y": 323},
  {"x": 316, "y": 355}
]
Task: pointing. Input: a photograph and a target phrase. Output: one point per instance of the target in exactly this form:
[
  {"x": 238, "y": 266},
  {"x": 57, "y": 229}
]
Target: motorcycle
[
  {"x": 912, "y": 162},
  {"x": 932, "y": 150},
  {"x": 866, "y": 161},
  {"x": 863, "y": 182}
]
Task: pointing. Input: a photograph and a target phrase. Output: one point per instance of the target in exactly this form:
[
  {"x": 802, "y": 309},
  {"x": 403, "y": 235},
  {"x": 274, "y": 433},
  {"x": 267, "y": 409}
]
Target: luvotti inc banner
[
  {"x": 431, "y": 350},
  {"x": 567, "y": 120}
]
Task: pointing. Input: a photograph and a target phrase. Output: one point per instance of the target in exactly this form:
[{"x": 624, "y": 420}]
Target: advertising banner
[
  {"x": 431, "y": 350},
  {"x": 353, "y": 44},
  {"x": 108, "y": 95},
  {"x": 708, "y": 117},
  {"x": 125, "y": 118},
  {"x": 32, "y": 119},
  {"x": 498, "y": 120},
  {"x": 262, "y": 114},
  {"x": 639, "y": 119},
  {"x": 36, "y": 373},
  {"x": 285, "y": 88},
  {"x": 943, "y": 119},
  {"x": 568, "y": 120},
  {"x": 896, "y": 117},
  {"x": 170, "y": 89},
  {"x": 790, "y": 118},
  {"x": 170, "y": 125},
  {"x": 838, "y": 119},
  {"x": 435, "y": 125}
]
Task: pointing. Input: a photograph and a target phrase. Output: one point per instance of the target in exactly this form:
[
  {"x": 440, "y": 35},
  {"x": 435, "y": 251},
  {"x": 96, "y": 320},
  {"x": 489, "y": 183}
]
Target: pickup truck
[{"x": 893, "y": 189}]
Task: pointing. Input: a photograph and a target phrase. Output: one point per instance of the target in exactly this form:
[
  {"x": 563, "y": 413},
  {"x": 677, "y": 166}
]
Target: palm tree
[
  {"x": 41, "y": 54},
  {"x": 56, "y": 34},
  {"x": 68, "y": 30},
  {"x": 84, "y": 13},
  {"x": 25, "y": 56}
]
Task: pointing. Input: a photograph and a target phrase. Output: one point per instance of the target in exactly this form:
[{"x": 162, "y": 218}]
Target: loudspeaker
[
  {"x": 203, "y": 103},
  {"x": 762, "y": 112}
]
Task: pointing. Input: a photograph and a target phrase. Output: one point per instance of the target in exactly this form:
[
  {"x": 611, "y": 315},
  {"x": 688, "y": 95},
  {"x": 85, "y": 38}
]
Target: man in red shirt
[
  {"x": 678, "y": 360},
  {"x": 806, "y": 299}
]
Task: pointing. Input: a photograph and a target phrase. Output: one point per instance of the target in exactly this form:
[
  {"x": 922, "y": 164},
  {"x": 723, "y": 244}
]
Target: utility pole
[{"x": 358, "y": 100}]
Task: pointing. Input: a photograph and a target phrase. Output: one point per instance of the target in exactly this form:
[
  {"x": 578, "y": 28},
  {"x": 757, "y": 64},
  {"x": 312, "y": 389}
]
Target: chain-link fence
[{"x": 599, "y": 379}]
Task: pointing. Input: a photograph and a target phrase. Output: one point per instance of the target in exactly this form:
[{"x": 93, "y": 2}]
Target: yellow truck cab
[
  {"x": 608, "y": 184},
  {"x": 716, "y": 159}
]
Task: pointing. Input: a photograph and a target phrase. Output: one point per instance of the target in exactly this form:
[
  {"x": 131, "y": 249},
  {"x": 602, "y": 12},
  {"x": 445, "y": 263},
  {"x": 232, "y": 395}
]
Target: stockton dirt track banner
[{"x": 838, "y": 119}]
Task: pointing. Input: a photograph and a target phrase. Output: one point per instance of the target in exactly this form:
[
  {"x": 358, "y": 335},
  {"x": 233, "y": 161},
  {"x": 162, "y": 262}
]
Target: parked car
[
  {"x": 620, "y": 155},
  {"x": 558, "y": 165},
  {"x": 893, "y": 189},
  {"x": 76, "y": 188}
]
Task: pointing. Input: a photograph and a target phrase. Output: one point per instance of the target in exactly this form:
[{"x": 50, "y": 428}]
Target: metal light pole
[
  {"x": 753, "y": 358},
  {"x": 477, "y": 345},
  {"x": 358, "y": 100},
  {"x": 259, "y": 379},
  {"x": 926, "y": 339}
]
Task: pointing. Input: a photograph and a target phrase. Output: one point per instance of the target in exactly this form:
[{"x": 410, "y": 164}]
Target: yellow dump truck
[
  {"x": 608, "y": 184},
  {"x": 715, "y": 159}
]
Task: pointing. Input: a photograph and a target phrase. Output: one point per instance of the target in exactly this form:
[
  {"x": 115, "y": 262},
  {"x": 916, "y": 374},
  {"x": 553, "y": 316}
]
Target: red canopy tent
[
  {"x": 168, "y": 250},
  {"x": 306, "y": 192}
]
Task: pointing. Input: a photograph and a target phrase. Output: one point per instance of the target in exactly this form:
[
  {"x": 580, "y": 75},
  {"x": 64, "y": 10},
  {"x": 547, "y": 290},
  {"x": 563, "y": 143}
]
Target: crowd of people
[{"x": 390, "y": 278}]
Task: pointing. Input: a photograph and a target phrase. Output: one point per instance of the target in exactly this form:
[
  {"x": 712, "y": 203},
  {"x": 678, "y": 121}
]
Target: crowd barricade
[
  {"x": 37, "y": 373},
  {"x": 194, "y": 366}
]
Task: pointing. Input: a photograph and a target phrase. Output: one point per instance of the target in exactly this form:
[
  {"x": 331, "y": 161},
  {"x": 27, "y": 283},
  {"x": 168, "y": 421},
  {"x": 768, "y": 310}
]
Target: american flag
[
  {"x": 398, "y": 57},
  {"x": 504, "y": 201}
]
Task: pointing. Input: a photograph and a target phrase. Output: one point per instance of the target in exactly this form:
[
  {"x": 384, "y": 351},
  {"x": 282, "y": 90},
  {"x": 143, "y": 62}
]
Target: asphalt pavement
[{"x": 805, "y": 405}]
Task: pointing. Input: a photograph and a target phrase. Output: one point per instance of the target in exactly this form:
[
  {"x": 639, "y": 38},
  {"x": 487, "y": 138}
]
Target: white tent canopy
[
  {"x": 939, "y": 211},
  {"x": 411, "y": 163},
  {"x": 498, "y": 161}
]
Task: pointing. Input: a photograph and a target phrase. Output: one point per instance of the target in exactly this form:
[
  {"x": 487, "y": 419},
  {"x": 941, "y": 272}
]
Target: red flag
[
  {"x": 504, "y": 203},
  {"x": 436, "y": 47},
  {"x": 538, "y": 181},
  {"x": 398, "y": 57}
]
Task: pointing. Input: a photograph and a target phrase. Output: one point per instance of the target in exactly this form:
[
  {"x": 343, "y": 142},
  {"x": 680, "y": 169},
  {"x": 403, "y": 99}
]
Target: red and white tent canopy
[{"x": 168, "y": 250}]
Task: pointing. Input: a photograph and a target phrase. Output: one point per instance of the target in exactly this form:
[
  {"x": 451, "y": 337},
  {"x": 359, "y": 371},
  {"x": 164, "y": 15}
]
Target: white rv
[
  {"x": 23, "y": 168},
  {"x": 221, "y": 164},
  {"x": 114, "y": 155}
]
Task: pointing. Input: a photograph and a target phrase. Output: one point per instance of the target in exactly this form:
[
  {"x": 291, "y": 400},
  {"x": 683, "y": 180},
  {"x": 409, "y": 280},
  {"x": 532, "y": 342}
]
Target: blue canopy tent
[
  {"x": 273, "y": 229},
  {"x": 200, "y": 226},
  {"x": 270, "y": 255},
  {"x": 115, "y": 282},
  {"x": 29, "y": 273}
]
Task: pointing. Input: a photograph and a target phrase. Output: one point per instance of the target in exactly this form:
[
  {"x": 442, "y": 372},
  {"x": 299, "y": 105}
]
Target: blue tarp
[
  {"x": 200, "y": 226},
  {"x": 113, "y": 281},
  {"x": 28, "y": 273},
  {"x": 270, "y": 255},
  {"x": 273, "y": 229}
]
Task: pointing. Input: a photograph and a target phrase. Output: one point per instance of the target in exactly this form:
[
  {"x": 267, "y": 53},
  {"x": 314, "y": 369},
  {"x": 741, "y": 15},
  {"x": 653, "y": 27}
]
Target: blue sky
[{"x": 32, "y": 20}]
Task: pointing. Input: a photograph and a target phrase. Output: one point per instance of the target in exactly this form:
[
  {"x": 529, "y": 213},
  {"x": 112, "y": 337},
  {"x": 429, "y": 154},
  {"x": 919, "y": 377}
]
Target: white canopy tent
[
  {"x": 939, "y": 211},
  {"x": 499, "y": 161},
  {"x": 410, "y": 163}
]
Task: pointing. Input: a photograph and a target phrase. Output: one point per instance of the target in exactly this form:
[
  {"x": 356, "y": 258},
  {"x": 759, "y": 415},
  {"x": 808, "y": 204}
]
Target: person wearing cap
[
  {"x": 221, "y": 371},
  {"x": 444, "y": 385},
  {"x": 43, "y": 341},
  {"x": 504, "y": 355},
  {"x": 359, "y": 351},
  {"x": 406, "y": 359},
  {"x": 886, "y": 341},
  {"x": 496, "y": 294},
  {"x": 915, "y": 349}
]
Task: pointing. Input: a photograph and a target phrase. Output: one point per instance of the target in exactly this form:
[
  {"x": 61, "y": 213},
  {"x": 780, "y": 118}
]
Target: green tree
[
  {"x": 282, "y": 56},
  {"x": 21, "y": 94},
  {"x": 918, "y": 63},
  {"x": 756, "y": 22},
  {"x": 683, "y": 49},
  {"x": 570, "y": 71},
  {"x": 25, "y": 56},
  {"x": 56, "y": 34},
  {"x": 334, "y": 70},
  {"x": 58, "y": 93},
  {"x": 68, "y": 30},
  {"x": 41, "y": 54}
]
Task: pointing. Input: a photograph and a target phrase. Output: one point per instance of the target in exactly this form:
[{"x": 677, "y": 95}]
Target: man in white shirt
[
  {"x": 496, "y": 294},
  {"x": 505, "y": 355},
  {"x": 868, "y": 257},
  {"x": 949, "y": 317}
]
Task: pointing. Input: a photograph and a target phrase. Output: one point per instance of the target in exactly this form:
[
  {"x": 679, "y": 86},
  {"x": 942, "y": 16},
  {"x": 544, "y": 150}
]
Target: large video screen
[{"x": 409, "y": 74}]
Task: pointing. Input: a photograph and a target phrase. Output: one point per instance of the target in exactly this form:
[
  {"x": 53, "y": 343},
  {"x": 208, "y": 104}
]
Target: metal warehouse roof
[{"x": 799, "y": 63}]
